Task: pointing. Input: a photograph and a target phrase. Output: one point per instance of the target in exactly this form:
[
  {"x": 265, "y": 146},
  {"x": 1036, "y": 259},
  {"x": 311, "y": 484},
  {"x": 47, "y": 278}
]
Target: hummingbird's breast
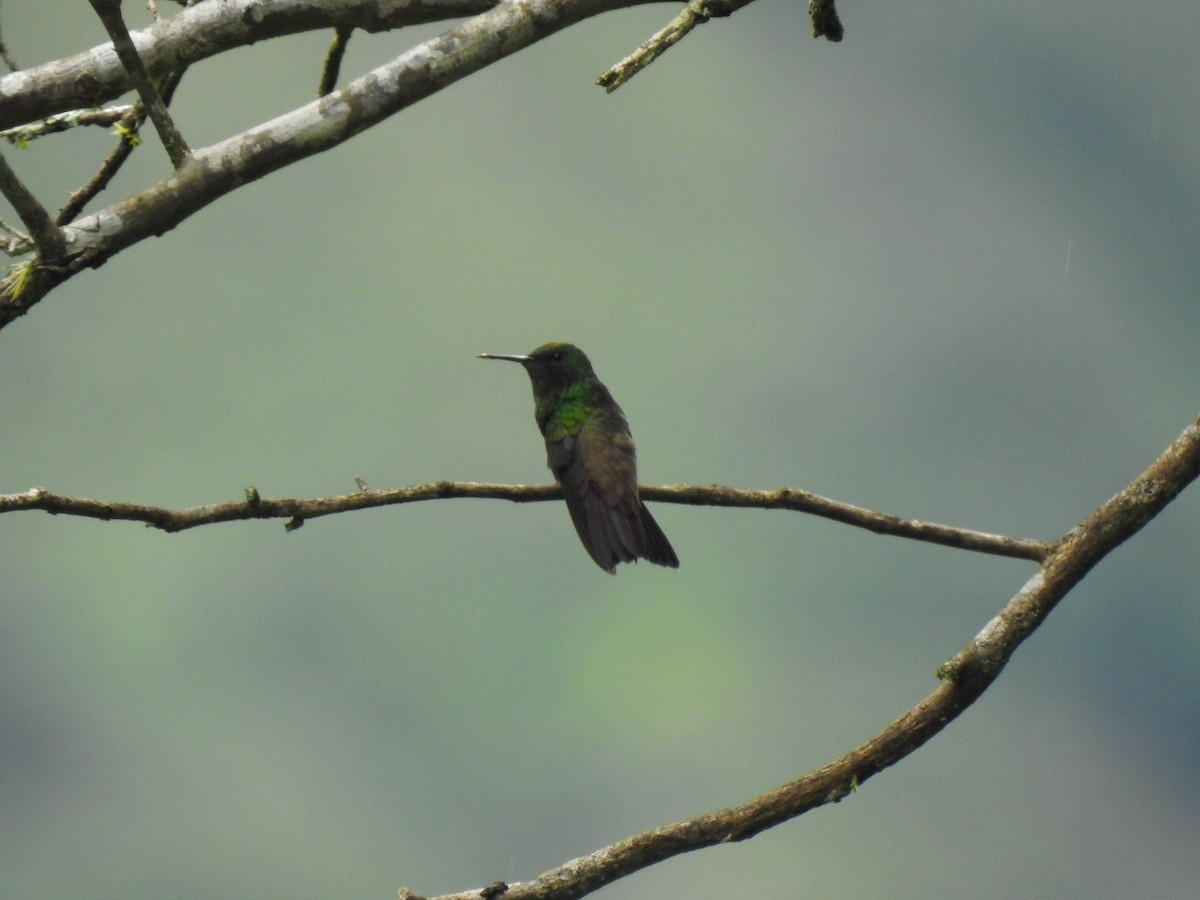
[{"x": 564, "y": 414}]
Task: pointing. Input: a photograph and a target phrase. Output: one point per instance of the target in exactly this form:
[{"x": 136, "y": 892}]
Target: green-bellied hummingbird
[{"x": 590, "y": 450}]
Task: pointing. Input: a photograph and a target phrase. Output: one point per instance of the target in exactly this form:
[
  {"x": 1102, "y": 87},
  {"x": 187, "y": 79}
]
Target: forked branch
[
  {"x": 964, "y": 678},
  {"x": 146, "y": 58}
]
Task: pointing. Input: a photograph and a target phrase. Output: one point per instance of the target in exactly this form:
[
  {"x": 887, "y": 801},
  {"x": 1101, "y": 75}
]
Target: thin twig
[
  {"x": 109, "y": 12},
  {"x": 18, "y": 242},
  {"x": 964, "y": 679},
  {"x": 127, "y": 128},
  {"x": 24, "y": 134},
  {"x": 697, "y": 12},
  {"x": 298, "y": 510},
  {"x": 880, "y": 523},
  {"x": 333, "y": 59}
]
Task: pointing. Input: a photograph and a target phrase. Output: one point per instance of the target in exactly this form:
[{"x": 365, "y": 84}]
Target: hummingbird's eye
[{"x": 556, "y": 355}]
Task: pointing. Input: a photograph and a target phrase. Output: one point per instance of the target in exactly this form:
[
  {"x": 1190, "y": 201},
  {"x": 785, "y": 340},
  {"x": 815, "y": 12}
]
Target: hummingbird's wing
[
  {"x": 594, "y": 506},
  {"x": 597, "y": 469}
]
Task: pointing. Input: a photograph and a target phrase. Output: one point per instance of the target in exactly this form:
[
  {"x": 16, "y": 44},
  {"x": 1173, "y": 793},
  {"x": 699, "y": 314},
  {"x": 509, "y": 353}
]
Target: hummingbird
[{"x": 589, "y": 448}]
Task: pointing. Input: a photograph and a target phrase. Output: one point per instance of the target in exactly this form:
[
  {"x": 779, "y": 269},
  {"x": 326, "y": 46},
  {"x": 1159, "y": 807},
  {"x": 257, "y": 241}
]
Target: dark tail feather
[
  {"x": 613, "y": 535},
  {"x": 656, "y": 548}
]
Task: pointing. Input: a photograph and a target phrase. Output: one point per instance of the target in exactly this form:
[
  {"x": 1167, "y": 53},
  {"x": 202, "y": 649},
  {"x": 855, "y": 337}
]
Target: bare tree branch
[
  {"x": 296, "y": 511},
  {"x": 880, "y": 523},
  {"x": 695, "y": 12},
  {"x": 49, "y": 240},
  {"x": 202, "y": 31},
  {"x": 333, "y": 60},
  {"x": 23, "y": 134},
  {"x": 964, "y": 678},
  {"x": 212, "y": 172}
]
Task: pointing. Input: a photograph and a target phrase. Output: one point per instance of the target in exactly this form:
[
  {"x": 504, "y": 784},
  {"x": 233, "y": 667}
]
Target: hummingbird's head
[{"x": 552, "y": 367}]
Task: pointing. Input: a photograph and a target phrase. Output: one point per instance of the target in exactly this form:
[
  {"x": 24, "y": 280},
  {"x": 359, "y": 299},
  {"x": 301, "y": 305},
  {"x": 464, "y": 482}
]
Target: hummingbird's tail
[
  {"x": 656, "y": 548},
  {"x": 625, "y": 532}
]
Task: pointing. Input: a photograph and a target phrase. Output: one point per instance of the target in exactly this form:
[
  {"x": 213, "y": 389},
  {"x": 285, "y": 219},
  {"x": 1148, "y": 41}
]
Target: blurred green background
[{"x": 945, "y": 269}]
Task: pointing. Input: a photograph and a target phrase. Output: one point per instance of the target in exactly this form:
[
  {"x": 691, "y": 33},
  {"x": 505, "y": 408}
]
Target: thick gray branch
[{"x": 97, "y": 76}]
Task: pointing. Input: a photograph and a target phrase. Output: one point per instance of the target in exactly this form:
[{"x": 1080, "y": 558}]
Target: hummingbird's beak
[{"x": 520, "y": 359}]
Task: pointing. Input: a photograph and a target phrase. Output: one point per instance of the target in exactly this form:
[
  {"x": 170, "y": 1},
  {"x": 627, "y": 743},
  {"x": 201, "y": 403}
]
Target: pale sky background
[{"x": 947, "y": 269}]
